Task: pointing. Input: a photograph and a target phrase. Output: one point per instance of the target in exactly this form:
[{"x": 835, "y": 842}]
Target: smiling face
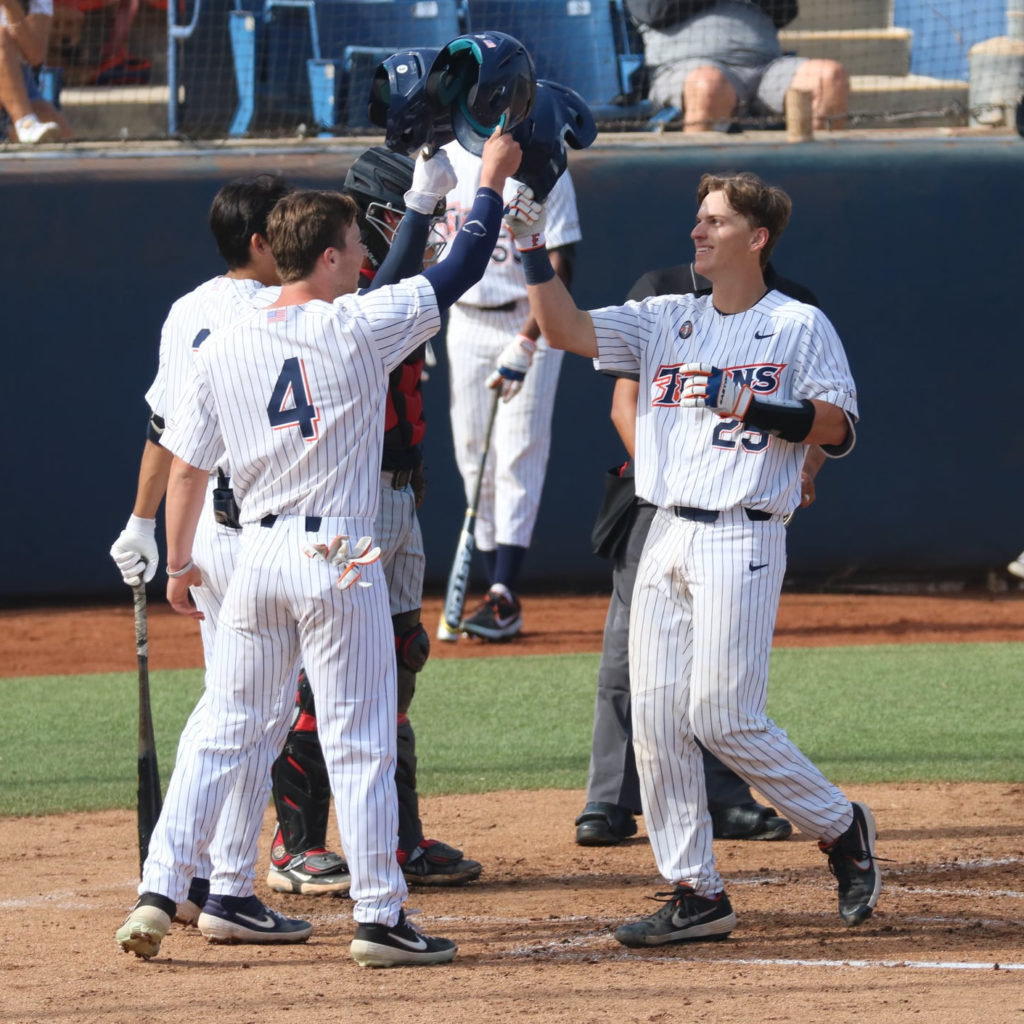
[
  {"x": 723, "y": 239},
  {"x": 346, "y": 259}
]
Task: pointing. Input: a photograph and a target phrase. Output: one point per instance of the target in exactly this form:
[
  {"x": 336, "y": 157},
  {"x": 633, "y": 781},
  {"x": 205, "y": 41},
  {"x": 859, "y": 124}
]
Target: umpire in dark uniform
[{"x": 613, "y": 787}]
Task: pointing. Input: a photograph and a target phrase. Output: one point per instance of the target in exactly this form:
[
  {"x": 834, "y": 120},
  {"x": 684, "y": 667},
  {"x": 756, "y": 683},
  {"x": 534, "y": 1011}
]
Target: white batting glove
[
  {"x": 708, "y": 386},
  {"x": 516, "y": 358},
  {"x": 135, "y": 552},
  {"x": 525, "y": 218},
  {"x": 349, "y": 559},
  {"x": 432, "y": 179}
]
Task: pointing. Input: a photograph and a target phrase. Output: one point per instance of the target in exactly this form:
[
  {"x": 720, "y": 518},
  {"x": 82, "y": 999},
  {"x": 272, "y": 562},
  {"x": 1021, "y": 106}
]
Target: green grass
[{"x": 863, "y": 714}]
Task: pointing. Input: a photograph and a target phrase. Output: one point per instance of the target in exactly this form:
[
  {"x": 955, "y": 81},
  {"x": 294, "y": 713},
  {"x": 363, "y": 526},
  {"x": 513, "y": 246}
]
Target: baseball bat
[
  {"x": 149, "y": 798},
  {"x": 458, "y": 577}
]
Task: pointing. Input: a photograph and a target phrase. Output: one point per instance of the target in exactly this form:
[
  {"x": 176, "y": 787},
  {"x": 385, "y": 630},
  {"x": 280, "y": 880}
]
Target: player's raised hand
[
  {"x": 433, "y": 177},
  {"x": 708, "y": 386},
  {"x": 501, "y": 157},
  {"x": 525, "y": 218},
  {"x": 515, "y": 359},
  {"x": 134, "y": 551}
]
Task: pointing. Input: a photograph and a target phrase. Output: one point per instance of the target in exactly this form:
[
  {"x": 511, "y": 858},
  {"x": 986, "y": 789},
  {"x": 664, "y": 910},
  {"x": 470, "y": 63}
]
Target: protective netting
[{"x": 264, "y": 68}]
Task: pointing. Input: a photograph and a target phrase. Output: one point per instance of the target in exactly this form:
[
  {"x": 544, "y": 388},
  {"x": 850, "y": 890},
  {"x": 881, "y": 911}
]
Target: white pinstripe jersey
[
  {"x": 294, "y": 396},
  {"x": 216, "y": 303},
  {"x": 782, "y": 348},
  {"x": 504, "y": 281}
]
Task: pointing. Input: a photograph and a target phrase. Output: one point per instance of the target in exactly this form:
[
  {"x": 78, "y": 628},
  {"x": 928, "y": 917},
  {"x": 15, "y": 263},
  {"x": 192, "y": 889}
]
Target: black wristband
[
  {"x": 537, "y": 266},
  {"x": 792, "y": 421}
]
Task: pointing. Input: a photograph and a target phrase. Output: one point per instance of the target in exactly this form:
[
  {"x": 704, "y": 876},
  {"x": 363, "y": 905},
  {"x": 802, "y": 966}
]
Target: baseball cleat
[
  {"x": 317, "y": 872},
  {"x": 437, "y": 863},
  {"x": 245, "y": 919},
  {"x": 145, "y": 927},
  {"x": 399, "y": 945},
  {"x": 499, "y": 616},
  {"x": 685, "y": 917},
  {"x": 750, "y": 821},
  {"x": 851, "y": 858},
  {"x": 603, "y": 824},
  {"x": 1017, "y": 566}
]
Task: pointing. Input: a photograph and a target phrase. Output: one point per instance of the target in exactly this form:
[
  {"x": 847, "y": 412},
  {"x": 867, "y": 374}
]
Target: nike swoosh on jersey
[
  {"x": 762, "y": 336},
  {"x": 419, "y": 945},
  {"x": 754, "y": 568},
  {"x": 266, "y": 921}
]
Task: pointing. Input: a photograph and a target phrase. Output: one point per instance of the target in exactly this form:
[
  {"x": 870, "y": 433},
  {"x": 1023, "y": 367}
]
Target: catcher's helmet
[
  {"x": 378, "y": 181},
  {"x": 486, "y": 79},
  {"x": 560, "y": 117},
  {"x": 399, "y": 103}
]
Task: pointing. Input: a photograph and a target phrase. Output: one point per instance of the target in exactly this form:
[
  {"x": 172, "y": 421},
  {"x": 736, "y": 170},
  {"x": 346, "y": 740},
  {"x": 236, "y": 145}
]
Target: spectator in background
[
  {"x": 26, "y": 117},
  {"x": 117, "y": 66},
  {"x": 721, "y": 59}
]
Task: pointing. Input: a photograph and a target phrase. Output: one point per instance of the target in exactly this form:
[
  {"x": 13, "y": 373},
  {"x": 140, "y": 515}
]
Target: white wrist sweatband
[{"x": 183, "y": 571}]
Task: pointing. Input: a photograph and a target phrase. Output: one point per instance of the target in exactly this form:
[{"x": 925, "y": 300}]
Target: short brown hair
[
  {"x": 762, "y": 205},
  {"x": 302, "y": 225}
]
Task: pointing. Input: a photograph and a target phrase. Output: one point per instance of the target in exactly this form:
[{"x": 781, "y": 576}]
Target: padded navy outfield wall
[{"x": 912, "y": 246}]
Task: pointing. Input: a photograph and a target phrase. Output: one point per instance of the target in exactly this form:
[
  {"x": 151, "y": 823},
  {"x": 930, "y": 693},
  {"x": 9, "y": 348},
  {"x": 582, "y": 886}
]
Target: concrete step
[
  {"x": 117, "y": 111},
  {"x": 824, "y": 15},
  {"x": 880, "y": 51},
  {"x": 907, "y": 101}
]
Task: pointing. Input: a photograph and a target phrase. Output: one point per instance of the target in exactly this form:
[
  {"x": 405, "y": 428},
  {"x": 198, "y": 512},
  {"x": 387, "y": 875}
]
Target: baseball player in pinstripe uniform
[
  {"x": 735, "y": 387},
  {"x": 300, "y": 862},
  {"x": 492, "y": 340},
  {"x": 238, "y": 221},
  {"x": 293, "y": 396}
]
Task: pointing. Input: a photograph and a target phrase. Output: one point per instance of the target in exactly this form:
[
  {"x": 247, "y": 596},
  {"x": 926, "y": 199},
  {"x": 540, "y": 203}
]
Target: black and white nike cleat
[{"x": 398, "y": 945}]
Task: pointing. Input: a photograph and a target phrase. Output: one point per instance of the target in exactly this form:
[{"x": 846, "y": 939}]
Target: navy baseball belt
[
  {"x": 312, "y": 522},
  {"x": 505, "y": 307},
  {"x": 704, "y": 515}
]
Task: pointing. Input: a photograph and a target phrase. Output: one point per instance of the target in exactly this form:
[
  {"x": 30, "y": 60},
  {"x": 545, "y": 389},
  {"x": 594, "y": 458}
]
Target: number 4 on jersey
[{"x": 291, "y": 405}]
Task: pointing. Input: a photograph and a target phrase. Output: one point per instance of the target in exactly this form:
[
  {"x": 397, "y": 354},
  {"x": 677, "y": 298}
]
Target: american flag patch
[{"x": 277, "y": 315}]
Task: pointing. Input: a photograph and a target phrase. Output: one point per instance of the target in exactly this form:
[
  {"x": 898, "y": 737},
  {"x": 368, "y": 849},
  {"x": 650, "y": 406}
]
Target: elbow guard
[{"x": 792, "y": 421}]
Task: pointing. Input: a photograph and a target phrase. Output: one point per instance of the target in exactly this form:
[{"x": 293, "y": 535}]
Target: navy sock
[{"x": 508, "y": 563}]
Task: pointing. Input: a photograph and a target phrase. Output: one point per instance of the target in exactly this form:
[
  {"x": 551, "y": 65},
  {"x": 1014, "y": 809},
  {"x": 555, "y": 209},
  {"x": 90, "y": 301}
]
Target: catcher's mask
[{"x": 378, "y": 181}]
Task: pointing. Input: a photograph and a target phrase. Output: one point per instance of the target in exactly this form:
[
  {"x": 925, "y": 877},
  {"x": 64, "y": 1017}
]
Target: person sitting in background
[
  {"x": 26, "y": 117},
  {"x": 721, "y": 59}
]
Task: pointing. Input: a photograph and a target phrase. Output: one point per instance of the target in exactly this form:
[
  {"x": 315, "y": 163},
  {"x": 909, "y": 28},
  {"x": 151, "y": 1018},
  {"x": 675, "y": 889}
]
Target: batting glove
[
  {"x": 516, "y": 358},
  {"x": 349, "y": 559},
  {"x": 707, "y": 385},
  {"x": 433, "y": 178},
  {"x": 525, "y": 218},
  {"x": 134, "y": 552}
]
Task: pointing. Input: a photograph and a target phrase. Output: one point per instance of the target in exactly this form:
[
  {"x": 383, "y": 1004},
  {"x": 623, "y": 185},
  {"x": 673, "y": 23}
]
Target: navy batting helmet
[
  {"x": 486, "y": 79},
  {"x": 399, "y": 103},
  {"x": 560, "y": 117},
  {"x": 378, "y": 181}
]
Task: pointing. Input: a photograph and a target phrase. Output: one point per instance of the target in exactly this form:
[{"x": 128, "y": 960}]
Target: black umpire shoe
[
  {"x": 400, "y": 945},
  {"x": 604, "y": 825},
  {"x": 750, "y": 821},
  {"x": 851, "y": 858},
  {"x": 685, "y": 917}
]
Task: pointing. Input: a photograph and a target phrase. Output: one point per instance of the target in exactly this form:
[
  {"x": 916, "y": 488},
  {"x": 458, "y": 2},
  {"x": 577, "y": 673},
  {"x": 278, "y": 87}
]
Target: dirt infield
[{"x": 534, "y": 931}]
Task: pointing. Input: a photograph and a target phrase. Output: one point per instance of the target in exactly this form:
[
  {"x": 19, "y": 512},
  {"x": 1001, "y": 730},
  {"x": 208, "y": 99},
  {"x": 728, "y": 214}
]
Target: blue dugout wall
[{"x": 912, "y": 246}]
